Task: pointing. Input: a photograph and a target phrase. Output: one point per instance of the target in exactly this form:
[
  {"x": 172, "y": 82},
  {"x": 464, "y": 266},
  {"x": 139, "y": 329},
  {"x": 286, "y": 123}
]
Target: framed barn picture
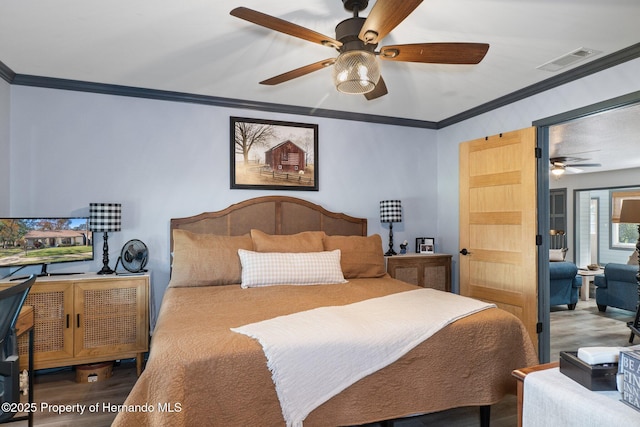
[{"x": 273, "y": 155}]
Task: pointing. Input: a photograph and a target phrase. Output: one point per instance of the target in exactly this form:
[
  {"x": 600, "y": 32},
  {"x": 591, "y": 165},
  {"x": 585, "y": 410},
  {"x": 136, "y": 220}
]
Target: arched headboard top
[{"x": 272, "y": 215}]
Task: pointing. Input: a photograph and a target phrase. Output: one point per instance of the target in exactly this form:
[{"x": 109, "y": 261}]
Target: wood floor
[{"x": 585, "y": 326}]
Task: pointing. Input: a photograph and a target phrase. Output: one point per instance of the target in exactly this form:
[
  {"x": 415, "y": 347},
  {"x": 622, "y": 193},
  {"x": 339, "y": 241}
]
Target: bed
[{"x": 200, "y": 372}]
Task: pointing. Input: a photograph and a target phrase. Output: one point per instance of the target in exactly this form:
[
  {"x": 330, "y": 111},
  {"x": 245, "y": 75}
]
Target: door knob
[{"x": 464, "y": 251}]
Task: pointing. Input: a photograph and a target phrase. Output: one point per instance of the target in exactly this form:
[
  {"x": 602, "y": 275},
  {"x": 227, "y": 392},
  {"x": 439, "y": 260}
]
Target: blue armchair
[
  {"x": 617, "y": 287},
  {"x": 564, "y": 284}
]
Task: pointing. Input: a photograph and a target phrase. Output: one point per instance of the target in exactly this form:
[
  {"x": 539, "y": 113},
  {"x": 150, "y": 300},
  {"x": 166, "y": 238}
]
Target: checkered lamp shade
[
  {"x": 390, "y": 211},
  {"x": 104, "y": 217}
]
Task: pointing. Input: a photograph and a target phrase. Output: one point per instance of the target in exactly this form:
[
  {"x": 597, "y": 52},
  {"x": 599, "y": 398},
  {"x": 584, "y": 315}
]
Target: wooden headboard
[{"x": 273, "y": 215}]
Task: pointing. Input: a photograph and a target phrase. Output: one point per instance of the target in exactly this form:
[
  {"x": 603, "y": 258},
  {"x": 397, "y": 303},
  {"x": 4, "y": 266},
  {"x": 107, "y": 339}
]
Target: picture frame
[
  {"x": 273, "y": 155},
  {"x": 425, "y": 245}
]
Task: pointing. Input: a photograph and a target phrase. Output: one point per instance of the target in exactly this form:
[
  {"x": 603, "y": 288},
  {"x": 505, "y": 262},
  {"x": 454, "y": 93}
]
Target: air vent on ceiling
[{"x": 568, "y": 59}]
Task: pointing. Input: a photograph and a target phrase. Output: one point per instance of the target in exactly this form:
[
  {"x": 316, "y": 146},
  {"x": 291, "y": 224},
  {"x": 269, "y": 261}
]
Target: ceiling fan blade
[
  {"x": 584, "y": 165},
  {"x": 378, "y": 91},
  {"x": 436, "y": 53},
  {"x": 298, "y": 72},
  {"x": 573, "y": 170},
  {"x": 283, "y": 26},
  {"x": 566, "y": 159},
  {"x": 384, "y": 17}
]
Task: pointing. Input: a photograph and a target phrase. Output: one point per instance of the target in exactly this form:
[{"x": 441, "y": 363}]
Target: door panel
[{"x": 498, "y": 223}]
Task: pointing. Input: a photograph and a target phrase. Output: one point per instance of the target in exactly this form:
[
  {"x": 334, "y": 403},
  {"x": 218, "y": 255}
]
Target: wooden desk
[
  {"x": 24, "y": 324},
  {"x": 26, "y": 320}
]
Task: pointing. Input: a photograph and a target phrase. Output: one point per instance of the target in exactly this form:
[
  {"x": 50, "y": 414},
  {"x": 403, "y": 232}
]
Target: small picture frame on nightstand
[{"x": 425, "y": 245}]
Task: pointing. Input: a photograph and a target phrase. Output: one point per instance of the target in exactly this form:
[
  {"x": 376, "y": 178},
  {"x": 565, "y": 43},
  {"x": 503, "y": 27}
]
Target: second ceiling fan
[
  {"x": 356, "y": 70},
  {"x": 559, "y": 165}
]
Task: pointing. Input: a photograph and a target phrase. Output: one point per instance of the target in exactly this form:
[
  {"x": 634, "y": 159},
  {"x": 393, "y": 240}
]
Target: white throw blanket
[
  {"x": 314, "y": 355},
  {"x": 553, "y": 399}
]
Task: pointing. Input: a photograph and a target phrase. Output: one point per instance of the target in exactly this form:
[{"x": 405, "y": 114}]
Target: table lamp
[
  {"x": 390, "y": 211},
  {"x": 630, "y": 214},
  {"x": 105, "y": 217}
]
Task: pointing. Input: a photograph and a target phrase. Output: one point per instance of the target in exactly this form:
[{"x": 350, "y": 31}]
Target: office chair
[{"x": 11, "y": 301}]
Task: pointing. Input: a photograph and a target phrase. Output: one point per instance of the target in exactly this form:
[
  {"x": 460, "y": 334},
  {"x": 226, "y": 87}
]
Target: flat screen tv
[{"x": 44, "y": 241}]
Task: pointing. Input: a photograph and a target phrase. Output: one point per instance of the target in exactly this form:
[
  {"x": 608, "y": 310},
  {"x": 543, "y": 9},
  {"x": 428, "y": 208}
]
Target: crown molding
[
  {"x": 108, "y": 89},
  {"x": 6, "y": 73},
  {"x": 608, "y": 61}
]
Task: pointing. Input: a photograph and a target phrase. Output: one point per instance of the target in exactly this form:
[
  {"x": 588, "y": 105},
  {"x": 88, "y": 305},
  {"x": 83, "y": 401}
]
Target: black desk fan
[{"x": 133, "y": 257}]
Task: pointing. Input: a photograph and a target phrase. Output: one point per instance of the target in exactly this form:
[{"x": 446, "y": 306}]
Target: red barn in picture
[{"x": 286, "y": 157}]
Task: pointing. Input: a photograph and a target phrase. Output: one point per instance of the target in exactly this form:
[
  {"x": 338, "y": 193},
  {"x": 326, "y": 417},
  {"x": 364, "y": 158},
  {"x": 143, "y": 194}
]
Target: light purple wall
[{"x": 166, "y": 159}]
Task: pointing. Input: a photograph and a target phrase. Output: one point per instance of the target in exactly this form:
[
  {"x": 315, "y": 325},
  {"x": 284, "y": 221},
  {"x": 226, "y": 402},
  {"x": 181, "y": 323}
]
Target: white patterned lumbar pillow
[{"x": 285, "y": 268}]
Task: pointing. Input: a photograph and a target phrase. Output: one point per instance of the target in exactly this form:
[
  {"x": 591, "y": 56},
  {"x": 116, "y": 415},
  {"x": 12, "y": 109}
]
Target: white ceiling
[
  {"x": 610, "y": 138},
  {"x": 197, "y": 47}
]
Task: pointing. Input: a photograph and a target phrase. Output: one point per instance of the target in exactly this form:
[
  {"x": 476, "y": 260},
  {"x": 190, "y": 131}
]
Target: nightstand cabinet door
[
  {"x": 53, "y": 330},
  {"x": 426, "y": 270},
  {"x": 111, "y": 317}
]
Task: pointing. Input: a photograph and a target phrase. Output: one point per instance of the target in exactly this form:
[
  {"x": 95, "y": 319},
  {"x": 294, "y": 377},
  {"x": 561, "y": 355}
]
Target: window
[{"x": 623, "y": 236}]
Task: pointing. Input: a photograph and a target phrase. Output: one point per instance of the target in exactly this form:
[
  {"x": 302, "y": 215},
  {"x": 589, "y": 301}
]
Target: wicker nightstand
[
  {"x": 426, "y": 270},
  {"x": 88, "y": 318}
]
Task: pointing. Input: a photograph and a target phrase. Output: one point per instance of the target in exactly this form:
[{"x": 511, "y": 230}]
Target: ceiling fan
[
  {"x": 562, "y": 164},
  {"x": 356, "y": 70}
]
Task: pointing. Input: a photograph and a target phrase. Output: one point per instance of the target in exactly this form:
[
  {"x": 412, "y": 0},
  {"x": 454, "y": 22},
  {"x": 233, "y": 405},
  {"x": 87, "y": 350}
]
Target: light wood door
[{"x": 498, "y": 223}]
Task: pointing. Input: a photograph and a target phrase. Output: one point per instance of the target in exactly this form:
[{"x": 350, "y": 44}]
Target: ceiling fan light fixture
[
  {"x": 356, "y": 72},
  {"x": 557, "y": 169}
]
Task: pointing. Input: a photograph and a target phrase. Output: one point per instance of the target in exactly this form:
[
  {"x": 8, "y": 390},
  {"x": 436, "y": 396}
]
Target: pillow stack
[{"x": 261, "y": 259}]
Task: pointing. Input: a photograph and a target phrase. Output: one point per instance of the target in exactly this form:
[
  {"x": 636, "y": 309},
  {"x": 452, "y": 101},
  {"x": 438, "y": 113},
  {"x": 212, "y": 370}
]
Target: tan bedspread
[{"x": 217, "y": 377}]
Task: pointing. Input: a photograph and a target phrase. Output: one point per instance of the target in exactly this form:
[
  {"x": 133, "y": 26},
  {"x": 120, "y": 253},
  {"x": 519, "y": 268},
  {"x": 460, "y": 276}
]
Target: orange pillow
[
  {"x": 307, "y": 241},
  {"x": 206, "y": 259},
  {"x": 361, "y": 257}
]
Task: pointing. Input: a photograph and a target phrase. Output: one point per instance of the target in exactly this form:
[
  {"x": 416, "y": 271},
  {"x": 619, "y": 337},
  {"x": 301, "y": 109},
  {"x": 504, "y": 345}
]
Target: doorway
[
  {"x": 594, "y": 242},
  {"x": 597, "y": 149},
  {"x": 586, "y": 226}
]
